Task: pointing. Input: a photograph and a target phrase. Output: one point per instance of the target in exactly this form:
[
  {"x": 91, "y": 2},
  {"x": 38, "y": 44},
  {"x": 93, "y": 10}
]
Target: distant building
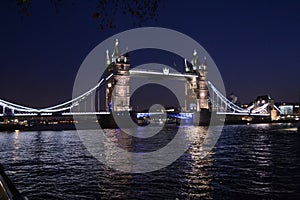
[
  {"x": 233, "y": 98},
  {"x": 290, "y": 109},
  {"x": 287, "y": 109},
  {"x": 297, "y": 109},
  {"x": 261, "y": 100}
]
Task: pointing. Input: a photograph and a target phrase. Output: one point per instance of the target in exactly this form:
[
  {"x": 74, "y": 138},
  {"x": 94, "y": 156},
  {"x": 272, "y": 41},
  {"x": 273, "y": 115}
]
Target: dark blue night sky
[{"x": 255, "y": 44}]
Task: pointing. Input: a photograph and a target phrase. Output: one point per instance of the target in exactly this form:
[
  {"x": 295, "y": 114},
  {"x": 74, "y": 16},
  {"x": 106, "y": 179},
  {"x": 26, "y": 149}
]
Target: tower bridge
[{"x": 200, "y": 94}]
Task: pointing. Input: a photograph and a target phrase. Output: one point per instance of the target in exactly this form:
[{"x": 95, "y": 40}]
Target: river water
[{"x": 249, "y": 161}]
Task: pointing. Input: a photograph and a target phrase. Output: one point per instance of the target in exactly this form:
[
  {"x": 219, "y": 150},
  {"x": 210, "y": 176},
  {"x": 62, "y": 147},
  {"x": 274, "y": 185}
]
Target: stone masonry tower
[
  {"x": 118, "y": 87},
  {"x": 197, "y": 93},
  {"x": 203, "y": 93}
]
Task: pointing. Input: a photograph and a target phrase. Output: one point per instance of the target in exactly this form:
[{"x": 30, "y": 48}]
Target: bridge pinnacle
[
  {"x": 116, "y": 52},
  {"x": 195, "y": 61},
  {"x": 107, "y": 58},
  {"x": 195, "y": 52},
  {"x": 204, "y": 63}
]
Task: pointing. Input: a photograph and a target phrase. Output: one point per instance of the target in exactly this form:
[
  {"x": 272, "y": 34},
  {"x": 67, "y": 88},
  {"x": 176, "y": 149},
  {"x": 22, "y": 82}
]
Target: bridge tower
[
  {"x": 118, "y": 87},
  {"x": 196, "y": 89},
  {"x": 203, "y": 94}
]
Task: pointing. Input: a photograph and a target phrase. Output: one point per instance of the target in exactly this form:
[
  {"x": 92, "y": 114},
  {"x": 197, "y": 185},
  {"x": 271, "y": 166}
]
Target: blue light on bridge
[{"x": 178, "y": 116}]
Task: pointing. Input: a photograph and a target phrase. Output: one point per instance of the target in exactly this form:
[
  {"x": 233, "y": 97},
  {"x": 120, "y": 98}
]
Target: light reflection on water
[{"x": 249, "y": 161}]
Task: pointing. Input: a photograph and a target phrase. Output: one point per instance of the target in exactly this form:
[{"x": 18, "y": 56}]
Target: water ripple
[{"x": 249, "y": 161}]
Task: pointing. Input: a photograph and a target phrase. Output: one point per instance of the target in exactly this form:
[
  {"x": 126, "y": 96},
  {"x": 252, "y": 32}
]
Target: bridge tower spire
[
  {"x": 195, "y": 61},
  {"x": 108, "y": 61},
  {"x": 116, "y": 52}
]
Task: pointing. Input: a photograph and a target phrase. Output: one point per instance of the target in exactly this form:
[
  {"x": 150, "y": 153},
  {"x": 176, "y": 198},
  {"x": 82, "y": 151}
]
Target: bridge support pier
[{"x": 202, "y": 117}]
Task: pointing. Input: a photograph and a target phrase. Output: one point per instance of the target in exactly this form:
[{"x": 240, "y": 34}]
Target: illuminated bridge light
[
  {"x": 25, "y": 114},
  {"x": 221, "y": 104}
]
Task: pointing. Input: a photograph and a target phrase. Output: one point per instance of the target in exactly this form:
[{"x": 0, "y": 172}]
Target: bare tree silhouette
[{"x": 140, "y": 11}]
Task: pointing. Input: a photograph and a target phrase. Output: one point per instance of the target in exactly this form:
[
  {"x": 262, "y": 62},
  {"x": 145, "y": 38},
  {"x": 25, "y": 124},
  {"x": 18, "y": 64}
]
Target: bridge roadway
[{"x": 165, "y": 73}]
